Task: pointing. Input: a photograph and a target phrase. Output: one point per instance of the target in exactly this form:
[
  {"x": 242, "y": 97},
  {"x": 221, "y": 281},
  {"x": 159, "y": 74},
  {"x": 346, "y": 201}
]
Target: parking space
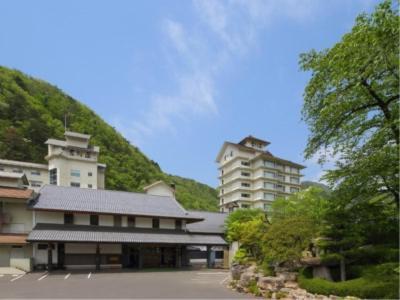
[{"x": 209, "y": 284}]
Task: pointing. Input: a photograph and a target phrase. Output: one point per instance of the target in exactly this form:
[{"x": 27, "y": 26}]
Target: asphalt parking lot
[{"x": 206, "y": 284}]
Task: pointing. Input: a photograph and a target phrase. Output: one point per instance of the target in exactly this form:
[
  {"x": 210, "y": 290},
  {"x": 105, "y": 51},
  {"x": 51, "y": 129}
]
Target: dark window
[
  {"x": 75, "y": 184},
  {"x": 246, "y": 195},
  {"x": 117, "y": 221},
  {"x": 245, "y": 163},
  {"x": 178, "y": 224},
  {"x": 94, "y": 220},
  {"x": 68, "y": 219},
  {"x": 245, "y": 174},
  {"x": 36, "y": 183},
  {"x": 17, "y": 170},
  {"x": 156, "y": 223},
  {"x": 44, "y": 246},
  {"x": 53, "y": 176},
  {"x": 89, "y": 186},
  {"x": 35, "y": 172},
  {"x": 245, "y": 184},
  {"x": 90, "y": 174},
  {"x": 87, "y": 154},
  {"x": 131, "y": 221}
]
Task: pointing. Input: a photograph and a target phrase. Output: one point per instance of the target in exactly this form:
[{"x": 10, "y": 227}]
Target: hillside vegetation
[{"x": 32, "y": 110}]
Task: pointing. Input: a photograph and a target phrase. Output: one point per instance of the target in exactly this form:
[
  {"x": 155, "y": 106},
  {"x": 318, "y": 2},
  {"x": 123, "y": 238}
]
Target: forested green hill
[{"x": 32, "y": 110}]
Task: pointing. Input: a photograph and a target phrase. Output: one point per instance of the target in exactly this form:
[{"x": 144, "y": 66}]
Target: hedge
[{"x": 363, "y": 287}]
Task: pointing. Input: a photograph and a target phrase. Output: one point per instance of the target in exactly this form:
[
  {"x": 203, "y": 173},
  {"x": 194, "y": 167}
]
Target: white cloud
[{"x": 198, "y": 54}]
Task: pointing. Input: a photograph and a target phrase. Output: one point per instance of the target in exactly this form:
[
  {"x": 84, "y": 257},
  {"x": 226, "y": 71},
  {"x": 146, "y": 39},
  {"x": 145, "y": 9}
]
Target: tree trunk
[{"x": 342, "y": 267}]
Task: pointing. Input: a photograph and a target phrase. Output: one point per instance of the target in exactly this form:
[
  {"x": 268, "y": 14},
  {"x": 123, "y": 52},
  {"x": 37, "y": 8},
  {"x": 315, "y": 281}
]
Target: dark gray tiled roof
[
  {"x": 76, "y": 233},
  {"x": 60, "y": 198},
  {"x": 213, "y": 222}
]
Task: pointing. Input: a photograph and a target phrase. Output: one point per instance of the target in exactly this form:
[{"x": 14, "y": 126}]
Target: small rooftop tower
[
  {"x": 76, "y": 139},
  {"x": 252, "y": 142}
]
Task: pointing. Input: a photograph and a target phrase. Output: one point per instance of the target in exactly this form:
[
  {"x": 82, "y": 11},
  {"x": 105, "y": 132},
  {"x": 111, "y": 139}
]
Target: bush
[
  {"x": 241, "y": 257},
  {"x": 363, "y": 287},
  {"x": 253, "y": 288},
  {"x": 331, "y": 259},
  {"x": 266, "y": 269},
  {"x": 372, "y": 255}
]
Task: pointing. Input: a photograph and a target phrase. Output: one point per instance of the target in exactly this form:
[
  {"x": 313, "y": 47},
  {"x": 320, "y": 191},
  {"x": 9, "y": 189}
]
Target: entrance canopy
[{"x": 103, "y": 234}]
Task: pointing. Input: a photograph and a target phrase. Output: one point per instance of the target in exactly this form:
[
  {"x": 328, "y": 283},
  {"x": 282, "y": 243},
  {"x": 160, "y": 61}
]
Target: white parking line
[
  {"x": 18, "y": 277},
  {"x": 90, "y": 274},
  {"x": 212, "y": 273},
  {"x": 14, "y": 275},
  {"x": 67, "y": 276},
  {"x": 1, "y": 275},
  {"x": 44, "y": 276}
]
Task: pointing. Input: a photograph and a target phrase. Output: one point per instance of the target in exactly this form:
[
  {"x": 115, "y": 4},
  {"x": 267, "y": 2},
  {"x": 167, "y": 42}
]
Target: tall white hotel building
[{"x": 251, "y": 177}]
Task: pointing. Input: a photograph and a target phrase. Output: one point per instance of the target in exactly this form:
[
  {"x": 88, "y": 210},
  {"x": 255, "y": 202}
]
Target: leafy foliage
[
  {"x": 286, "y": 239},
  {"x": 247, "y": 226},
  {"x": 311, "y": 204},
  {"x": 32, "y": 110},
  {"x": 351, "y": 105}
]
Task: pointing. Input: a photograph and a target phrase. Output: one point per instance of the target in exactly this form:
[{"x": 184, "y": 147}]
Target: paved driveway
[{"x": 209, "y": 284}]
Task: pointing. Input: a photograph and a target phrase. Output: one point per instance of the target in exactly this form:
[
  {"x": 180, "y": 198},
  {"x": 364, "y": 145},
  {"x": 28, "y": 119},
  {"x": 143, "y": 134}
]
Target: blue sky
[{"x": 178, "y": 78}]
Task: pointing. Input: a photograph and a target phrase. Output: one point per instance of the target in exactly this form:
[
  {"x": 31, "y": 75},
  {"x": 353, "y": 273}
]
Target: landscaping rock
[
  {"x": 287, "y": 276},
  {"x": 270, "y": 283},
  {"x": 237, "y": 270},
  {"x": 245, "y": 279},
  {"x": 291, "y": 284}
]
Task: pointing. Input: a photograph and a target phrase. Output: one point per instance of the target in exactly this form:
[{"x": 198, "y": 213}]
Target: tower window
[{"x": 53, "y": 176}]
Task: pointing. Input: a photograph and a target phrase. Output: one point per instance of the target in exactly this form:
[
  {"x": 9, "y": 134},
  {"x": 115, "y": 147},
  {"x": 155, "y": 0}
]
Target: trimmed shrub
[{"x": 363, "y": 287}]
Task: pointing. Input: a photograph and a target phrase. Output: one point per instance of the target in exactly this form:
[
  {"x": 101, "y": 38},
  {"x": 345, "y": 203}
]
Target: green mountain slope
[{"x": 32, "y": 110}]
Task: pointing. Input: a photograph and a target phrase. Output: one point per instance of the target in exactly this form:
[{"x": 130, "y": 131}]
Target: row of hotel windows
[
  {"x": 36, "y": 183},
  {"x": 18, "y": 170},
  {"x": 74, "y": 173},
  {"x": 274, "y": 165},
  {"x": 268, "y": 196},
  {"x": 78, "y": 153},
  {"x": 273, "y": 175},
  {"x": 94, "y": 220},
  {"x": 270, "y": 186},
  {"x": 77, "y": 173}
]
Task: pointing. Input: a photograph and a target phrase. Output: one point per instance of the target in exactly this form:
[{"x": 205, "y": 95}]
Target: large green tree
[{"x": 351, "y": 105}]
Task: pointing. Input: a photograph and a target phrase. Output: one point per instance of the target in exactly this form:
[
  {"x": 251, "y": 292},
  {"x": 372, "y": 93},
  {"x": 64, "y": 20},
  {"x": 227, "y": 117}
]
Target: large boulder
[
  {"x": 246, "y": 278},
  {"x": 270, "y": 283},
  {"x": 237, "y": 270},
  {"x": 287, "y": 276}
]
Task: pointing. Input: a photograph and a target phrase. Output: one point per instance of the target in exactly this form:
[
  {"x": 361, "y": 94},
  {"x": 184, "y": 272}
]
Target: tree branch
[{"x": 384, "y": 107}]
